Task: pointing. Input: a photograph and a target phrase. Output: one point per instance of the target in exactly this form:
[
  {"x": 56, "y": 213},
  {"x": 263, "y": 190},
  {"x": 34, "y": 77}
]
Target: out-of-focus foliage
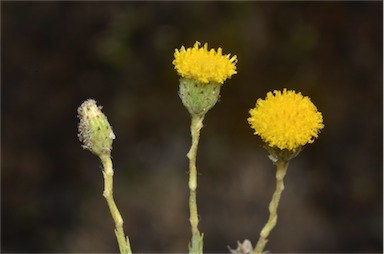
[{"x": 57, "y": 54}]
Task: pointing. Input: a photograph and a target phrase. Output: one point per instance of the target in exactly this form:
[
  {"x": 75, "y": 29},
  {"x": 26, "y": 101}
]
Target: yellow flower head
[
  {"x": 286, "y": 120},
  {"x": 203, "y": 65}
]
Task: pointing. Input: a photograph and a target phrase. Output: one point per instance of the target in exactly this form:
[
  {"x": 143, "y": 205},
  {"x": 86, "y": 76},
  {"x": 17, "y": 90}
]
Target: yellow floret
[
  {"x": 286, "y": 120},
  {"x": 203, "y": 65}
]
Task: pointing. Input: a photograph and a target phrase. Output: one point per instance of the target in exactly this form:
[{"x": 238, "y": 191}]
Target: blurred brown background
[{"x": 57, "y": 54}]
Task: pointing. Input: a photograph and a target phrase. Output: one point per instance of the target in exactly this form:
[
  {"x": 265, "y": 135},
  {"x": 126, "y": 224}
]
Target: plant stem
[
  {"x": 271, "y": 223},
  {"x": 123, "y": 241},
  {"x": 196, "y": 245}
]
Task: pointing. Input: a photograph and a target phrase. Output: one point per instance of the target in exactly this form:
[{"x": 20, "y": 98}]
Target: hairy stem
[
  {"x": 271, "y": 223},
  {"x": 123, "y": 241},
  {"x": 196, "y": 245}
]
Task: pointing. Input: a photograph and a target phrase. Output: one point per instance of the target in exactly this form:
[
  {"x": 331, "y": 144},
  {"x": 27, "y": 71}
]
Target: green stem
[
  {"x": 123, "y": 241},
  {"x": 196, "y": 245},
  {"x": 271, "y": 223}
]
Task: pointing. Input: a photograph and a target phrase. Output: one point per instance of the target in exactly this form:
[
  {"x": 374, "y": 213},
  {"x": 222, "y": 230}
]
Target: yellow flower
[
  {"x": 203, "y": 65},
  {"x": 286, "y": 120}
]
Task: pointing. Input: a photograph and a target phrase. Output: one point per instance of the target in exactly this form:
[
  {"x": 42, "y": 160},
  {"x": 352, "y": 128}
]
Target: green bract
[{"x": 94, "y": 129}]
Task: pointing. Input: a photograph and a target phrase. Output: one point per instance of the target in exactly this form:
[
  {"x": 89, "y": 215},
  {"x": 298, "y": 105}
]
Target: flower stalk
[
  {"x": 196, "y": 244},
  {"x": 273, "y": 205},
  {"x": 97, "y": 136},
  {"x": 285, "y": 121},
  {"x": 202, "y": 74},
  {"x": 108, "y": 172}
]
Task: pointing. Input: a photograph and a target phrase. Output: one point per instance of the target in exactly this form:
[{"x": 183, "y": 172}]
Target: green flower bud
[
  {"x": 282, "y": 155},
  {"x": 198, "y": 97},
  {"x": 95, "y": 132}
]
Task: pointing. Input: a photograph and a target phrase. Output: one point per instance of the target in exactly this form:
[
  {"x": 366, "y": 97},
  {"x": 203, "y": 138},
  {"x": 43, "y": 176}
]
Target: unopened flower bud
[{"x": 95, "y": 132}]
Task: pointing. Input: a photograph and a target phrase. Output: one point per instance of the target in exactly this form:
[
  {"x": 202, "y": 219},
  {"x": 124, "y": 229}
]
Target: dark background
[{"x": 57, "y": 54}]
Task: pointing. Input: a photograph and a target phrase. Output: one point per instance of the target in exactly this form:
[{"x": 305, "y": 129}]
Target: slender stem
[
  {"x": 123, "y": 241},
  {"x": 196, "y": 245},
  {"x": 271, "y": 223}
]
